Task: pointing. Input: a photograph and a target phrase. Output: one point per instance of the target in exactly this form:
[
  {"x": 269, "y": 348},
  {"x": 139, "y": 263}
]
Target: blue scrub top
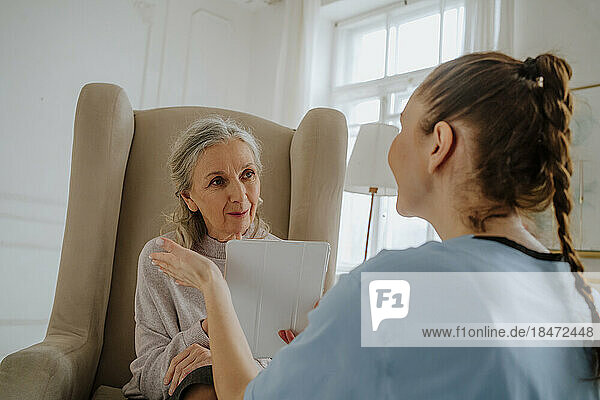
[{"x": 326, "y": 361}]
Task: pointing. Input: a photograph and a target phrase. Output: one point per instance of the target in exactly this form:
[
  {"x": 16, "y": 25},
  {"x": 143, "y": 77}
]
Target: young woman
[{"x": 485, "y": 138}]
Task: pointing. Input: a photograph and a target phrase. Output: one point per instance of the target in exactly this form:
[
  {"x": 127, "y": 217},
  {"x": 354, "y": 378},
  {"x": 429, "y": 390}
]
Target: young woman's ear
[
  {"x": 185, "y": 195},
  {"x": 442, "y": 145}
]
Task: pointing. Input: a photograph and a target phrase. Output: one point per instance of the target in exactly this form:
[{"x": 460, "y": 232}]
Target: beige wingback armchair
[{"x": 119, "y": 187}]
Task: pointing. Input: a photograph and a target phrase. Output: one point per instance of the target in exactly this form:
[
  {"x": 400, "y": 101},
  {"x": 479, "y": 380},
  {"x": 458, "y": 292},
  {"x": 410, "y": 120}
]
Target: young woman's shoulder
[{"x": 432, "y": 256}]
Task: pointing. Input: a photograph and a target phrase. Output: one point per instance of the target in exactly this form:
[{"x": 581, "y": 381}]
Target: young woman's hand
[
  {"x": 195, "y": 356},
  {"x": 187, "y": 267},
  {"x": 287, "y": 335}
]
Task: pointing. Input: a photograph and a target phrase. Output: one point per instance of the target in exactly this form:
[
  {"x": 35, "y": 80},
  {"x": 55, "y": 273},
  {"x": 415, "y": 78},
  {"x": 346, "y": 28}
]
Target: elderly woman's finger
[
  {"x": 173, "y": 364},
  {"x": 179, "y": 370},
  {"x": 190, "y": 368},
  {"x": 183, "y": 375},
  {"x": 289, "y": 335},
  {"x": 281, "y": 334}
]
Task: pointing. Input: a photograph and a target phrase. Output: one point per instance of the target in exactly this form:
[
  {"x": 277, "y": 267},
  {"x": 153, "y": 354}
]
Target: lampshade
[{"x": 368, "y": 166}]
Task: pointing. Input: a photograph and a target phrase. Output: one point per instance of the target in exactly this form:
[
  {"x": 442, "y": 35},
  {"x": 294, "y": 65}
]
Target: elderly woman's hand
[
  {"x": 204, "y": 325},
  {"x": 287, "y": 335},
  {"x": 193, "y": 357},
  {"x": 187, "y": 267}
]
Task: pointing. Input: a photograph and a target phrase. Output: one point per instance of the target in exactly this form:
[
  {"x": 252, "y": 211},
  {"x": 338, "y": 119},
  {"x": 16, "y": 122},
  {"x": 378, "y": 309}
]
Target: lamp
[{"x": 368, "y": 171}]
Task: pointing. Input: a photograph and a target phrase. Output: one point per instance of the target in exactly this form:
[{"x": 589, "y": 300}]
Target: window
[{"x": 380, "y": 60}]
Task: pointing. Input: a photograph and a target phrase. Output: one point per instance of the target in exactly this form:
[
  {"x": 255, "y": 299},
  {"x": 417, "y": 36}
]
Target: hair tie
[{"x": 530, "y": 71}]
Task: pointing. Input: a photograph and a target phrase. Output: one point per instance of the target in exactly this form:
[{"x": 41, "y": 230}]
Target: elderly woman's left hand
[{"x": 187, "y": 267}]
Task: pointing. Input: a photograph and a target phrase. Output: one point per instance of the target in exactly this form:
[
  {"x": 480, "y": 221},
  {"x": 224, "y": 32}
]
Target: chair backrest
[{"x": 120, "y": 186}]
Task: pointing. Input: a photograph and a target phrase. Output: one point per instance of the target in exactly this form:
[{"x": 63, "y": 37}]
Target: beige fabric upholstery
[
  {"x": 119, "y": 188},
  {"x": 108, "y": 393}
]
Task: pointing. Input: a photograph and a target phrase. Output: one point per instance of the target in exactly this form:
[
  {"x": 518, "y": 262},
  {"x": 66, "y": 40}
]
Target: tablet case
[{"x": 273, "y": 285}]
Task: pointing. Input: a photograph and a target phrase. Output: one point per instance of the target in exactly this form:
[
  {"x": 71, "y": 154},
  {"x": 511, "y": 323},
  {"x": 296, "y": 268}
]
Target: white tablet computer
[{"x": 273, "y": 285}]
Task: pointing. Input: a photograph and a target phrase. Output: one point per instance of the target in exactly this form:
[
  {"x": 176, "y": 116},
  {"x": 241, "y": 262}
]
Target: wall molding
[
  {"x": 48, "y": 221},
  {"x": 163, "y": 47},
  {"x": 199, "y": 12},
  {"x": 147, "y": 12},
  {"x": 29, "y": 246},
  {"x": 32, "y": 199},
  {"x": 23, "y": 322}
]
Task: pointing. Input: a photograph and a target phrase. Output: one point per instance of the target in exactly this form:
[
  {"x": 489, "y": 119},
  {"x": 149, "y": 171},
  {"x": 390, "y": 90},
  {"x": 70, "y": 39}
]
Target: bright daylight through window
[{"x": 380, "y": 60}]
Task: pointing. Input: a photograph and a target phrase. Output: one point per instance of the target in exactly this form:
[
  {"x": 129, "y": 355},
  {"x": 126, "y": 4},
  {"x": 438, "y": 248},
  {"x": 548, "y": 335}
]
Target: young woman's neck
[{"x": 449, "y": 225}]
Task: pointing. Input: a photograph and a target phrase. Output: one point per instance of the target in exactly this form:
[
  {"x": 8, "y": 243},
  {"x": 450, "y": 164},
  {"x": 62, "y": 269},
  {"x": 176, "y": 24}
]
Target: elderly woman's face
[{"x": 225, "y": 188}]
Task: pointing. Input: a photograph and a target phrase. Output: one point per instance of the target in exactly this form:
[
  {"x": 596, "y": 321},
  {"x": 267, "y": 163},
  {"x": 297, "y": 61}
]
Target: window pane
[
  {"x": 414, "y": 43},
  {"x": 352, "y": 135},
  {"x": 400, "y": 232},
  {"x": 369, "y": 56},
  {"x": 359, "y": 113},
  {"x": 395, "y": 122},
  {"x": 393, "y": 51},
  {"x": 397, "y": 102},
  {"x": 418, "y": 44},
  {"x": 452, "y": 42},
  {"x": 364, "y": 112},
  {"x": 353, "y": 230}
]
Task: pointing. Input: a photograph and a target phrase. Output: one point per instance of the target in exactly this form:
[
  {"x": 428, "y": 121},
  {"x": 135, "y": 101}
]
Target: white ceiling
[
  {"x": 255, "y": 4},
  {"x": 337, "y": 10}
]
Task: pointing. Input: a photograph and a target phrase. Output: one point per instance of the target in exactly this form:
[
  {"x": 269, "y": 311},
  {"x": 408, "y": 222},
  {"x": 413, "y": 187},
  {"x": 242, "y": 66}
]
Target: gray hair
[{"x": 185, "y": 152}]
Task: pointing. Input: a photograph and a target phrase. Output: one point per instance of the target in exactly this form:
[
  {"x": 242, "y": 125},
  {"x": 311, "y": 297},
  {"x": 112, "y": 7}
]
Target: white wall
[
  {"x": 49, "y": 50},
  {"x": 263, "y": 70},
  {"x": 163, "y": 53},
  {"x": 569, "y": 29}
]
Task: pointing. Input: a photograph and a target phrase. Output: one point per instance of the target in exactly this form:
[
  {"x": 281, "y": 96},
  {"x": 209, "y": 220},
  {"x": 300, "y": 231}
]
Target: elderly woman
[{"x": 215, "y": 167}]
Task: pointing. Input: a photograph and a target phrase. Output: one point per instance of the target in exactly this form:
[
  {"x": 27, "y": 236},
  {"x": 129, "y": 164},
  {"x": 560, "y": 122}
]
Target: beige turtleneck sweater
[{"x": 168, "y": 318}]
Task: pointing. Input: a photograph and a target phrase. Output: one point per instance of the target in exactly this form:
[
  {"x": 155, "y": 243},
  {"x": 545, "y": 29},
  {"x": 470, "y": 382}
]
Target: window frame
[{"x": 343, "y": 96}]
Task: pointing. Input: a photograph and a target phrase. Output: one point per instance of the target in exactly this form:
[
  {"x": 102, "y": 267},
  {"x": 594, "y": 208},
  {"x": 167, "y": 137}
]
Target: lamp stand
[{"x": 372, "y": 190}]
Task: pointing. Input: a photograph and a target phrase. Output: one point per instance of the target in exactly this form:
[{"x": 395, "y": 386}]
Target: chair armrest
[{"x": 60, "y": 367}]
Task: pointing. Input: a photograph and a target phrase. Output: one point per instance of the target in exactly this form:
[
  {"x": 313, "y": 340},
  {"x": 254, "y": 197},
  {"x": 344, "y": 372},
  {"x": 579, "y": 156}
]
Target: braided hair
[{"x": 521, "y": 112}]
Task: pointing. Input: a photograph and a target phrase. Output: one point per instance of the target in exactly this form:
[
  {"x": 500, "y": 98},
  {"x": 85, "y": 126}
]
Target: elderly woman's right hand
[{"x": 204, "y": 325}]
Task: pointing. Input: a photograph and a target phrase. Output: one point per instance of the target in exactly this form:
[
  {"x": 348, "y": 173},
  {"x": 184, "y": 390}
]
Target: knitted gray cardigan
[{"x": 168, "y": 318}]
